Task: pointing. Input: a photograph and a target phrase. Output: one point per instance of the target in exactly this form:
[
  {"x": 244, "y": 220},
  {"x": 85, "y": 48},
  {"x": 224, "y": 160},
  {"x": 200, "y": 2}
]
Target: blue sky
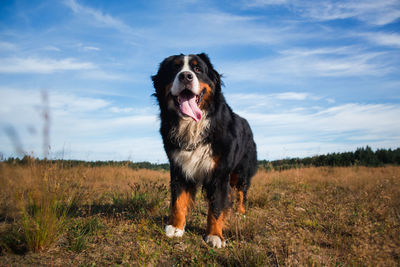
[{"x": 311, "y": 77}]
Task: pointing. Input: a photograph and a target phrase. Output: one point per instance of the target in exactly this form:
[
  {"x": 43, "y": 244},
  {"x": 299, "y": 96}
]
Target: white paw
[
  {"x": 172, "y": 231},
  {"x": 215, "y": 241}
]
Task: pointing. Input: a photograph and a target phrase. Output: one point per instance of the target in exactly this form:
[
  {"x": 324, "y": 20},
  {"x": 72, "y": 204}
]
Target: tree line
[
  {"x": 66, "y": 163},
  {"x": 361, "y": 157}
]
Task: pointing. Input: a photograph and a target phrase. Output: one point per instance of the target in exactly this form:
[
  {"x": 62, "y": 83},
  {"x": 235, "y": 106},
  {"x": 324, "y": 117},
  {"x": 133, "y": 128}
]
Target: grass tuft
[
  {"x": 42, "y": 222},
  {"x": 81, "y": 231},
  {"x": 39, "y": 197}
]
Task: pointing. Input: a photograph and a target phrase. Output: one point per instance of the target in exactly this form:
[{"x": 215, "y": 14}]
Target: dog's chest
[
  {"x": 195, "y": 156},
  {"x": 196, "y": 164}
]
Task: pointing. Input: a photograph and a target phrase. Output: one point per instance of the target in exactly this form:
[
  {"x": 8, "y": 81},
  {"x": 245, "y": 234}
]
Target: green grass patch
[{"x": 80, "y": 231}]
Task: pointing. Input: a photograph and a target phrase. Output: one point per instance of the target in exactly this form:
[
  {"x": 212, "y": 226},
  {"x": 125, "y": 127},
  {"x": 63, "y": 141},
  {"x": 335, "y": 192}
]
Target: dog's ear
[
  {"x": 160, "y": 79},
  {"x": 156, "y": 82},
  {"x": 206, "y": 59},
  {"x": 212, "y": 73}
]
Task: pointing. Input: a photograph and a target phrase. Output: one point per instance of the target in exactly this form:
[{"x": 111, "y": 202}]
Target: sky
[{"x": 311, "y": 77}]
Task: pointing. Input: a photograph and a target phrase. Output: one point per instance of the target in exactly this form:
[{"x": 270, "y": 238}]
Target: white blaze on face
[{"x": 178, "y": 87}]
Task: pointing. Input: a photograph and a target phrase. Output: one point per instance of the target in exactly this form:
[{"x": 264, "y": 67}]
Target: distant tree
[
  {"x": 385, "y": 156},
  {"x": 366, "y": 157}
]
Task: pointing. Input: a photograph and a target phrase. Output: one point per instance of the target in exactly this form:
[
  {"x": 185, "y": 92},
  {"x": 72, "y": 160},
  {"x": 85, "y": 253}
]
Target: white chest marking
[{"x": 196, "y": 164}]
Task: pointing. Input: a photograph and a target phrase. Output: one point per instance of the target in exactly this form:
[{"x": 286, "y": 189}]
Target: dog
[{"x": 207, "y": 144}]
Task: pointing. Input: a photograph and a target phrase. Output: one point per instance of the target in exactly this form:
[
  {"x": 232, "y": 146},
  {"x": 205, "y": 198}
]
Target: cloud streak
[
  {"x": 216, "y": 28},
  {"x": 101, "y": 19},
  {"x": 318, "y": 62},
  {"x": 372, "y": 12},
  {"x": 384, "y": 39},
  {"x": 42, "y": 65},
  {"x": 376, "y": 118},
  {"x": 7, "y": 46}
]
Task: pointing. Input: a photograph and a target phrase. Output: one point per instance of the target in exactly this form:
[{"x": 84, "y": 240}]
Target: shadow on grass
[
  {"x": 144, "y": 200},
  {"x": 13, "y": 240},
  {"x": 195, "y": 229}
]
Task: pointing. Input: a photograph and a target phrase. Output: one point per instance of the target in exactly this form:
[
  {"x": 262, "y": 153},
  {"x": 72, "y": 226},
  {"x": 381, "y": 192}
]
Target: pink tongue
[{"x": 188, "y": 106}]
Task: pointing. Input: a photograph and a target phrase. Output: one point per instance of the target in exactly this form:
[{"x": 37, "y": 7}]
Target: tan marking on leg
[
  {"x": 240, "y": 206},
  {"x": 180, "y": 209},
  {"x": 215, "y": 226},
  {"x": 234, "y": 179}
]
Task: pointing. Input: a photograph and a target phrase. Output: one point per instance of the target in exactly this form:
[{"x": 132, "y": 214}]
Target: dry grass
[
  {"x": 115, "y": 216},
  {"x": 331, "y": 216}
]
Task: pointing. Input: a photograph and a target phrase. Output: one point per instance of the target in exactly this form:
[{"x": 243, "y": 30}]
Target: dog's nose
[{"x": 185, "y": 76}]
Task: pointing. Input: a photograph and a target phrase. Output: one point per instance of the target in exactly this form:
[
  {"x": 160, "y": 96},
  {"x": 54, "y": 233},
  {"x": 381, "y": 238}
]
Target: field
[{"x": 101, "y": 216}]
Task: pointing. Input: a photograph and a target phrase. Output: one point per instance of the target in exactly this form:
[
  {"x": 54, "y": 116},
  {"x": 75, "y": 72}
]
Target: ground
[{"x": 62, "y": 216}]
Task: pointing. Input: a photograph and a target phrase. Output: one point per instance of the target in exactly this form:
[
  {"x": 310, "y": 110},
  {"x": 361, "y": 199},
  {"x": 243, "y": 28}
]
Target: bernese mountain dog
[{"x": 206, "y": 143}]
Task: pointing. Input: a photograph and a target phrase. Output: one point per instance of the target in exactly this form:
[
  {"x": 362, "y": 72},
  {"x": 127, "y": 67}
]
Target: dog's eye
[{"x": 197, "y": 69}]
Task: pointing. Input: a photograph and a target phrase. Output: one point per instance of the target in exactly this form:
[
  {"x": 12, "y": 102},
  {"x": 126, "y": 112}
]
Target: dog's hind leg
[{"x": 241, "y": 189}]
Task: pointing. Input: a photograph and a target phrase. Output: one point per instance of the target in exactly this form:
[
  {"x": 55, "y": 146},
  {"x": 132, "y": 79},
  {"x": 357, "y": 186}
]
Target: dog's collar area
[{"x": 192, "y": 146}]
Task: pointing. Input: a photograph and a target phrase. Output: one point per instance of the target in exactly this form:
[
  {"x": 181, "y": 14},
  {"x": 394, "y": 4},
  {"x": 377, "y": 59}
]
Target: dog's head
[{"x": 187, "y": 85}]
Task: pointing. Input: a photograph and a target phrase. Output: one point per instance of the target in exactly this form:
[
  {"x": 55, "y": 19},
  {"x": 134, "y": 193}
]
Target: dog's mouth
[{"x": 188, "y": 104}]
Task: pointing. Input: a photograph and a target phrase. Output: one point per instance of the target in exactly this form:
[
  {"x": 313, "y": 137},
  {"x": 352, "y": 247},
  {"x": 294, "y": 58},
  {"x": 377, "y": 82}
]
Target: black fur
[{"x": 229, "y": 135}]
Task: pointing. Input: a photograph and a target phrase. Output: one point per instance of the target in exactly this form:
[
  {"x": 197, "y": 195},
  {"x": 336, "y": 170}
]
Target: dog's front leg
[
  {"x": 219, "y": 204},
  {"x": 182, "y": 200}
]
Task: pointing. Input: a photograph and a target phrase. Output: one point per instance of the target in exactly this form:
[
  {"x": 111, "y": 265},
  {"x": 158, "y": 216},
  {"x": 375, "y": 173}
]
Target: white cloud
[
  {"x": 98, "y": 74},
  {"x": 72, "y": 103},
  {"x": 121, "y": 110},
  {"x": 52, "y": 48},
  {"x": 318, "y": 62},
  {"x": 343, "y": 118},
  {"x": 361, "y": 64},
  {"x": 133, "y": 149},
  {"x": 7, "y": 46},
  {"x": 373, "y": 12},
  {"x": 91, "y": 48},
  {"x": 98, "y": 17},
  {"x": 271, "y": 101},
  {"x": 219, "y": 28},
  {"x": 370, "y": 11},
  {"x": 261, "y": 3},
  {"x": 25, "y": 103},
  {"x": 381, "y": 38},
  {"x": 41, "y": 65},
  {"x": 336, "y": 61},
  {"x": 88, "y": 70},
  {"x": 291, "y": 96},
  {"x": 306, "y": 52},
  {"x": 308, "y": 132}
]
